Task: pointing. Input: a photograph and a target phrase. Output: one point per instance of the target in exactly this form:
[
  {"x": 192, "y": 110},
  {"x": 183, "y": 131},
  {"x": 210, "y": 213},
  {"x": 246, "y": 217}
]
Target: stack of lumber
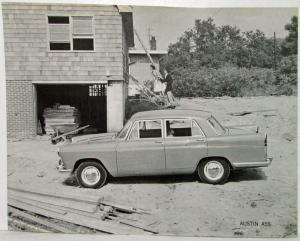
[
  {"x": 42, "y": 211},
  {"x": 61, "y": 118}
]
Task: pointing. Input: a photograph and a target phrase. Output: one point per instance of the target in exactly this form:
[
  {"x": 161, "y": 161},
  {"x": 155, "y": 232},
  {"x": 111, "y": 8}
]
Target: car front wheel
[
  {"x": 91, "y": 175},
  {"x": 214, "y": 171}
]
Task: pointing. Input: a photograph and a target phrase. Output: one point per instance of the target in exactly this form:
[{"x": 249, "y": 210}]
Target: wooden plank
[
  {"x": 88, "y": 222},
  {"x": 134, "y": 224},
  {"x": 64, "y": 196},
  {"x": 144, "y": 47},
  {"x": 13, "y": 201},
  {"x": 39, "y": 220},
  {"x": 36, "y": 199}
]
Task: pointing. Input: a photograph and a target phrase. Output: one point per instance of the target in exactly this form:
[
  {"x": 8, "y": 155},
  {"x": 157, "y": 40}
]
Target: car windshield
[
  {"x": 122, "y": 133},
  {"x": 219, "y": 129}
]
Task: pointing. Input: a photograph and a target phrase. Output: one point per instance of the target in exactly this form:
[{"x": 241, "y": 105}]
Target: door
[
  {"x": 142, "y": 153},
  {"x": 185, "y": 145}
]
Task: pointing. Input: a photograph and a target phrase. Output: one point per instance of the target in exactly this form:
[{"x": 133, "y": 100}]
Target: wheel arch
[{"x": 78, "y": 162}]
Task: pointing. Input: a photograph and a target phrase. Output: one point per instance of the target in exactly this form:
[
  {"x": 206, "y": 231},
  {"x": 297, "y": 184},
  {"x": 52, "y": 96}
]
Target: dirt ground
[{"x": 181, "y": 204}]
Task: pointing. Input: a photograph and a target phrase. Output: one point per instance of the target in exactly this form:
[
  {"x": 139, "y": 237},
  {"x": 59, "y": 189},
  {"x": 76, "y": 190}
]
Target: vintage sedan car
[{"x": 163, "y": 142}]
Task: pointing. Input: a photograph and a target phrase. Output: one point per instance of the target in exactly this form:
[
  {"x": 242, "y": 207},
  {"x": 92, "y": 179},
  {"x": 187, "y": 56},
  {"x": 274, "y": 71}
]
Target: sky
[{"x": 167, "y": 24}]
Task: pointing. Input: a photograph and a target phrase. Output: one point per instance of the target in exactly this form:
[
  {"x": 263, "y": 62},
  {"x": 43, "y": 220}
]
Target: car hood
[
  {"x": 103, "y": 137},
  {"x": 241, "y": 129}
]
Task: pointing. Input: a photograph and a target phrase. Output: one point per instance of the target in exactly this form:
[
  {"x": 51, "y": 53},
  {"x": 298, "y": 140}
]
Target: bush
[
  {"x": 229, "y": 81},
  {"x": 136, "y": 105}
]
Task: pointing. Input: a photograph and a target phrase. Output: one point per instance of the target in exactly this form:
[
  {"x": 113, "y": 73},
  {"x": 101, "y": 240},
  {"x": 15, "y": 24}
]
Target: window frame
[
  {"x": 152, "y": 138},
  {"x": 213, "y": 128},
  {"x": 71, "y": 37},
  {"x": 177, "y": 137}
]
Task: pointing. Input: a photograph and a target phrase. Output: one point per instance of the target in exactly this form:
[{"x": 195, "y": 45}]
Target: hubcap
[
  {"x": 213, "y": 170},
  {"x": 90, "y": 175}
]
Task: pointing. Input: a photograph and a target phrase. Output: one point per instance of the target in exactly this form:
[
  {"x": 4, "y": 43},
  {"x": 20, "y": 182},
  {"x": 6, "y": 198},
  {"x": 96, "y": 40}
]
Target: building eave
[
  {"x": 126, "y": 13},
  {"x": 153, "y": 52}
]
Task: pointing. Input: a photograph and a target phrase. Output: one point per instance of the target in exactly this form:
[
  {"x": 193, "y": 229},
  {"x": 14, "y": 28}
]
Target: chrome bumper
[{"x": 267, "y": 162}]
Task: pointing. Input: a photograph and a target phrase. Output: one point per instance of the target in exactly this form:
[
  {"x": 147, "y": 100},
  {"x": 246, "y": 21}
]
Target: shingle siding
[{"x": 26, "y": 44}]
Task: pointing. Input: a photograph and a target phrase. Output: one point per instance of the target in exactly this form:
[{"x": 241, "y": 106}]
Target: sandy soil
[{"x": 182, "y": 204}]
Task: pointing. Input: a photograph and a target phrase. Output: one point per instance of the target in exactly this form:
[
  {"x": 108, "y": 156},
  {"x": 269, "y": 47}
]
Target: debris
[
  {"x": 10, "y": 173},
  {"x": 41, "y": 174},
  {"x": 90, "y": 213},
  {"x": 25, "y": 226},
  {"x": 16, "y": 212},
  {"x": 288, "y": 137},
  {"x": 239, "y": 233},
  {"x": 242, "y": 113},
  {"x": 253, "y": 204},
  {"x": 56, "y": 138}
]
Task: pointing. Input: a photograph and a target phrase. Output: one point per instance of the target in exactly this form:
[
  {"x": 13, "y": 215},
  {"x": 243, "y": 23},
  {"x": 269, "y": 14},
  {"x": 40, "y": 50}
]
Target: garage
[{"x": 88, "y": 99}]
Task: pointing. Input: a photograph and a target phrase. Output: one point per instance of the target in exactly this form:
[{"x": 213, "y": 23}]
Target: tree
[{"x": 289, "y": 45}]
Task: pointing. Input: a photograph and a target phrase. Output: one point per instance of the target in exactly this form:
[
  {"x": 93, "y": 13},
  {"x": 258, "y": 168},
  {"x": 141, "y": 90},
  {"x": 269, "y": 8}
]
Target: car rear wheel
[
  {"x": 214, "y": 171},
  {"x": 91, "y": 175}
]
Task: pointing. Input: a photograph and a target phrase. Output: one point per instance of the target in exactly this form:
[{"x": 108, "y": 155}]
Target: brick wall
[{"x": 20, "y": 108}]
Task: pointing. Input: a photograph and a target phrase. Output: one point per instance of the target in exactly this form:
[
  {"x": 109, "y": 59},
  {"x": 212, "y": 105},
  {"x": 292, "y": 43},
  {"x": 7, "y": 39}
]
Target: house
[
  {"x": 70, "y": 54},
  {"x": 140, "y": 67}
]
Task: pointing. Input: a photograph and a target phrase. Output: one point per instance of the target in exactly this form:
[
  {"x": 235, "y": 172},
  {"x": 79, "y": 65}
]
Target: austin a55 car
[{"x": 165, "y": 142}]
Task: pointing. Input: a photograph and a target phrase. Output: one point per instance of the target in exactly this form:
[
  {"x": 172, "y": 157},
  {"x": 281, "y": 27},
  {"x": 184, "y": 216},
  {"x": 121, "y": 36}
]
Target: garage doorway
[{"x": 89, "y": 99}]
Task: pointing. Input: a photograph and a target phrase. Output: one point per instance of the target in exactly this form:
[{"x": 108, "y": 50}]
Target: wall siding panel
[{"x": 26, "y": 43}]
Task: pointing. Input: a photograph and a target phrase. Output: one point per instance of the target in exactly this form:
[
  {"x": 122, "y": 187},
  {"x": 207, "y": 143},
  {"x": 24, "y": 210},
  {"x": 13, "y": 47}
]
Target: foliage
[
  {"x": 210, "y": 60},
  {"x": 289, "y": 46}
]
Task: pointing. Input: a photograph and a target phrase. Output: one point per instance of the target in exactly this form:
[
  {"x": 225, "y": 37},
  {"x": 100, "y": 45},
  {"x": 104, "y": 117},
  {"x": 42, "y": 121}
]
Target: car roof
[{"x": 174, "y": 113}]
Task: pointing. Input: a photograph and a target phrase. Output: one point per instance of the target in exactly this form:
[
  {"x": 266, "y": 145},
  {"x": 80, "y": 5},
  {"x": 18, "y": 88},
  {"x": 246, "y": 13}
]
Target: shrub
[{"x": 230, "y": 81}]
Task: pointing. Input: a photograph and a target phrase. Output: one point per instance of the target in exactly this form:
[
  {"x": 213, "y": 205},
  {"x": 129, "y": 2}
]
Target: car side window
[
  {"x": 196, "y": 130},
  {"x": 178, "y": 128},
  {"x": 150, "y": 129},
  {"x": 134, "y": 135}
]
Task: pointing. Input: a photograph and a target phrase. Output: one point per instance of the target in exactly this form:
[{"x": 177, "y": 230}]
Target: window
[
  {"x": 196, "y": 130},
  {"x": 182, "y": 127},
  {"x": 146, "y": 129},
  {"x": 216, "y": 126},
  {"x": 97, "y": 90},
  {"x": 135, "y": 132},
  {"x": 124, "y": 131},
  {"x": 71, "y": 33}
]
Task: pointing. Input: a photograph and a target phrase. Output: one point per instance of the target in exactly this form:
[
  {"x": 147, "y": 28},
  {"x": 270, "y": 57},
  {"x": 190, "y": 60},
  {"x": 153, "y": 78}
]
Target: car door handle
[
  {"x": 200, "y": 140},
  {"x": 159, "y": 142}
]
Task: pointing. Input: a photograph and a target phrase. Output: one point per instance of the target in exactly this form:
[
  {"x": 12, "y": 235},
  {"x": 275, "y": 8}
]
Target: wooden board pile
[
  {"x": 61, "y": 118},
  {"x": 48, "y": 212}
]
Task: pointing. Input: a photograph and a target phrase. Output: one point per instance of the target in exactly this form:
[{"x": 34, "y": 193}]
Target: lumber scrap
[
  {"x": 63, "y": 136},
  {"x": 93, "y": 223},
  {"x": 19, "y": 224},
  {"x": 124, "y": 208},
  {"x": 40, "y": 221}
]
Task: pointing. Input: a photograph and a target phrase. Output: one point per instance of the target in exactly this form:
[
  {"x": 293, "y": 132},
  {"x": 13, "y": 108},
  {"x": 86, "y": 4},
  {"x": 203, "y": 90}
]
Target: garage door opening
[{"x": 89, "y": 100}]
